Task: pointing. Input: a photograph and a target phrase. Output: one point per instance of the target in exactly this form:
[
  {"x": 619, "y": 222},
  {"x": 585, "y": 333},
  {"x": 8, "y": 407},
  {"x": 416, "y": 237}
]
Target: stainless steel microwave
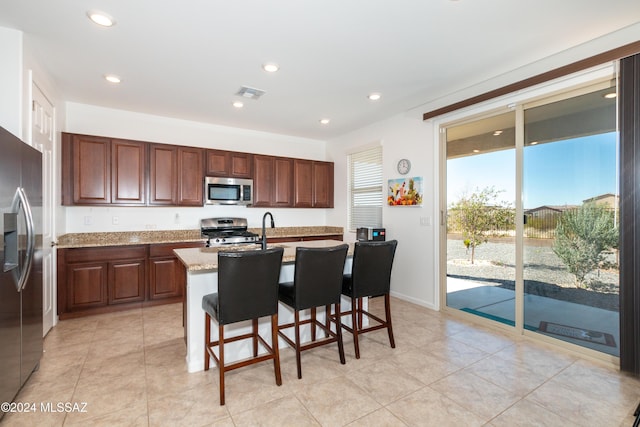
[{"x": 228, "y": 191}]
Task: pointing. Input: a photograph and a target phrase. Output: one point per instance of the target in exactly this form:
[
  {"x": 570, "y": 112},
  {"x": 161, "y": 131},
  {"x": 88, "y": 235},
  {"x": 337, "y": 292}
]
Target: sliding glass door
[
  {"x": 532, "y": 216},
  {"x": 481, "y": 189},
  {"x": 571, "y": 200}
]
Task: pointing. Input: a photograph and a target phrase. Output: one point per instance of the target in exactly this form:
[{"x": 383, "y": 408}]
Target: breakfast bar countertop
[
  {"x": 121, "y": 238},
  {"x": 206, "y": 259}
]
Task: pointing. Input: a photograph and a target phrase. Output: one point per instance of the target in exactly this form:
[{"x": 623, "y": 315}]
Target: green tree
[
  {"x": 479, "y": 216},
  {"x": 582, "y": 235}
]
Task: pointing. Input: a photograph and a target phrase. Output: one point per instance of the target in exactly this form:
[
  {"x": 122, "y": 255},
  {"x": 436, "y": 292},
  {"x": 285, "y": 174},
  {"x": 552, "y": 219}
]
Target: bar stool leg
[
  {"x": 276, "y": 349},
  {"x": 354, "y": 323},
  {"x": 221, "y": 362},
  {"x": 254, "y": 325},
  {"x": 207, "y": 339},
  {"x": 327, "y": 320},
  {"x": 296, "y": 319},
  {"x": 387, "y": 312},
  {"x": 313, "y": 323},
  {"x": 339, "y": 334}
]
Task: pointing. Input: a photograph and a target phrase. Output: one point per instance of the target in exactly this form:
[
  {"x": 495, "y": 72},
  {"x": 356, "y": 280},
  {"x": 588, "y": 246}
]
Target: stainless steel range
[{"x": 226, "y": 231}]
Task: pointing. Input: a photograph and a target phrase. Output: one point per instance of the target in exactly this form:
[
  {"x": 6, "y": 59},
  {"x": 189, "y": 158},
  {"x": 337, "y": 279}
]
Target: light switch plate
[{"x": 425, "y": 221}]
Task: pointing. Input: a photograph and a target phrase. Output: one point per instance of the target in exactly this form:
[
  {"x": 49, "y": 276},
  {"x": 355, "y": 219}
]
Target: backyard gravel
[{"x": 544, "y": 272}]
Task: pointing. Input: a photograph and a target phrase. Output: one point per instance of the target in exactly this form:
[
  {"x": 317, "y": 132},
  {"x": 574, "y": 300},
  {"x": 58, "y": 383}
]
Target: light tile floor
[{"x": 130, "y": 370}]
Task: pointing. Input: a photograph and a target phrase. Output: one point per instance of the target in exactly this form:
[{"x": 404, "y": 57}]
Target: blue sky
[{"x": 558, "y": 173}]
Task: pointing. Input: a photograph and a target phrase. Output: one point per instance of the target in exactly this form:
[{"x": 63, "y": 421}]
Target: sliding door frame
[{"x": 542, "y": 94}]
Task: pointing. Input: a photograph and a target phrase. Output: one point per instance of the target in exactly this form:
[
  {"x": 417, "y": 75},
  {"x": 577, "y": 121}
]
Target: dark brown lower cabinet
[
  {"x": 166, "y": 275},
  {"x": 104, "y": 279},
  {"x": 86, "y": 285},
  {"x": 126, "y": 281}
]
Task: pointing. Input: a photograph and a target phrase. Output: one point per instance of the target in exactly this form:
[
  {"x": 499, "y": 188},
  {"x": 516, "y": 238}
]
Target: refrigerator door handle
[{"x": 20, "y": 200}]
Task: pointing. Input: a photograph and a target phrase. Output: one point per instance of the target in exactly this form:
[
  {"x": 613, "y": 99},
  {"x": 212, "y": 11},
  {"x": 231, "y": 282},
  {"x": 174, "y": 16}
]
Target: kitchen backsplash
[{"x": 80, "y": 219}]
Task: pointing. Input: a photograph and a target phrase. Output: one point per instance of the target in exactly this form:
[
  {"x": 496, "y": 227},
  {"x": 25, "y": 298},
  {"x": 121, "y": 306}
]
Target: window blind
[{"x": 365, "y": 188}]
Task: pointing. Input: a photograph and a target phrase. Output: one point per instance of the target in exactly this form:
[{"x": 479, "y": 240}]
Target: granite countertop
[
  {"x": 206, "y": 259},
  {"x": 121, "y": 238}
]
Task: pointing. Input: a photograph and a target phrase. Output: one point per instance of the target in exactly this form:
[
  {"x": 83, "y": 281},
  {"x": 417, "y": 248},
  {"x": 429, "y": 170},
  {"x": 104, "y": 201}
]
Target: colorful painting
[{"x": 405, "y": 192}]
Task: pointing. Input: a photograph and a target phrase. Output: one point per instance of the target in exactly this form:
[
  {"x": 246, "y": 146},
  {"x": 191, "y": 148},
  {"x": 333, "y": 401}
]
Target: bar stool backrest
[
  {"x": 248, "y": 284},
  {"x": 371, "y": 271},
  {"x": 318, "y": 275}
]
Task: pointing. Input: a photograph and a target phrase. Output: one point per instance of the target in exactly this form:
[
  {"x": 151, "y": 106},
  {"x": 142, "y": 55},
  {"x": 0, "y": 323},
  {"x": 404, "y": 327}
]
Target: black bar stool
[
  {"x": 317, "y": 282},
  {"x": 247, "y": 290},
  {"x": 370, "y": 277}
]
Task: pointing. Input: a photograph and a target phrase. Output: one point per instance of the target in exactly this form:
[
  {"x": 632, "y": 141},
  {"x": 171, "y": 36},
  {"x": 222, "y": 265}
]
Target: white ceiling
[{"x": 188, "y": 58}]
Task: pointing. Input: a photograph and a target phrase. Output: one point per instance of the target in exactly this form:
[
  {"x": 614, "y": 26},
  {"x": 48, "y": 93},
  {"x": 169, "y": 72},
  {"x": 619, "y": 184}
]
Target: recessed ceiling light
[
  {"x": 270, "y": 67},
  {"x": 238, "y": 104},
  {"x": 476, "y": 151},
  {"x": 610, "y": 95},
  {"x": 324, "y": 121},
  {"x": 112, "y": 78},
  {"x": 374, "y": 96},
  {"x": 101, "y": 18},
  {"x": 497, "y": 133},
  {"x": 533, "y": 143}
]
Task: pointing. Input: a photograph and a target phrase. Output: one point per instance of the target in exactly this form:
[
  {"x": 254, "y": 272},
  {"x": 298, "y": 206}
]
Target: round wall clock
[{"x": 404, "y": 166}]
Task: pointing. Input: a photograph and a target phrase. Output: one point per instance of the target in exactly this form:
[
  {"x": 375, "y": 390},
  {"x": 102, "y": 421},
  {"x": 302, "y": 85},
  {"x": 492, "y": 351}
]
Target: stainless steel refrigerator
[{"x": 20, "y": 262}]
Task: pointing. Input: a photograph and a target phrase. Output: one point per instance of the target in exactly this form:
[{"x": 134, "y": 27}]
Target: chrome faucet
[{"x": 264, "y": 234}]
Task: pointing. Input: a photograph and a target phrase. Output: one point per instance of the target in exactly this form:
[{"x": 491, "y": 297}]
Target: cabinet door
[
  {"x": 241, "y": 165},
  {"x": 164, "y": 278},
  {"x": 163, "y": 174},
  {"x": 322, "y": 184},
  {"x": 128, "y": 166},
  {"x": 190, "y": 176},
  {"x": 86, "y": 285},
  {"x": 91, "y": 170},
  {"x": 263, "y": 180},
  {"x": 126, "y": 281},
  {"x": 229, "y": 164},
  {"x": 303, "y": 183},
  {"x": 166, "y": 275},
  {"x": 283, "y": 182},
  {"x": 217, "y": 163}
]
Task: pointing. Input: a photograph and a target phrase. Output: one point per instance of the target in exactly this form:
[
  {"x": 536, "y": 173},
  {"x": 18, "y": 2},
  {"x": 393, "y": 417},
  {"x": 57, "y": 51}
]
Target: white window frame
[{"x": 365, "y": 187}]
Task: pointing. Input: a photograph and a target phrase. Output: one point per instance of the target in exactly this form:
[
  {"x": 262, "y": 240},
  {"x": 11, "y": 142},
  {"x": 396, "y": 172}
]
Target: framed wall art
[{"x": 405, "y": 191}]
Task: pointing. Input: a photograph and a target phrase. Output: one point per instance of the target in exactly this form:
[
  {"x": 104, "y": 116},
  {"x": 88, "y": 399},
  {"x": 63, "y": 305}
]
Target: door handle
[{"x": 20, "y": 200}]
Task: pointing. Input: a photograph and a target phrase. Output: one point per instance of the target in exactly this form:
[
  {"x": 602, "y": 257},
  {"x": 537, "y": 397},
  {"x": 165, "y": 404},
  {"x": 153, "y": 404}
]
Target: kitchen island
[{"x": 201, "y": 267}]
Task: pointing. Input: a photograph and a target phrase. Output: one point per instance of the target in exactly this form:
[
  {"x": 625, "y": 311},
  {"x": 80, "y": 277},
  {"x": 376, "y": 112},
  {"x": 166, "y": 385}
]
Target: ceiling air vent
[{"x": 250, "y": 92}]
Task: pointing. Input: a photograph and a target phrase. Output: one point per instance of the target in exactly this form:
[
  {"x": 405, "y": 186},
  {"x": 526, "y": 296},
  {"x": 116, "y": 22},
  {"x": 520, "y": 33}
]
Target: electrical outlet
[
  {"x": 115, "y": 220},
  {"x": 88, "y": 220}
]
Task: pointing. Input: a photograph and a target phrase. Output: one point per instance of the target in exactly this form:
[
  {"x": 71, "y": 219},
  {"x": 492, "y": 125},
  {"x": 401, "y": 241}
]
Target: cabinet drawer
[{"x": 108, "y": 253}]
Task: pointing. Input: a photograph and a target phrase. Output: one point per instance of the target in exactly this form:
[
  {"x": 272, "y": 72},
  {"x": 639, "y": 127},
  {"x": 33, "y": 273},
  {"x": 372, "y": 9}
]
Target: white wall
[
  {"x": 11, "y": 81},
  {"x": 403, "y": 136},
  {"x": 93, "y": 120},
  {"x": 416, "y": 272}
]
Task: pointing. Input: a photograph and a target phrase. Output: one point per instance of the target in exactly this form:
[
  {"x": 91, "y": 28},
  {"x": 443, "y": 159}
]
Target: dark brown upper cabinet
[
  {"x": 107, "y": 171},
  {"x": 190, "y": 176},
  {"x": 128, "y": 177},
  {"x": 229, "y": 164},
  {"x": 272, "y": 181},
  {"x": 100, "y": 171},
  {"x": 163, "y": 174},
  {"x": 322, "y": 184},
  {"x": 313, "y": 184},
  {"x": 303, "y": 183}
]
